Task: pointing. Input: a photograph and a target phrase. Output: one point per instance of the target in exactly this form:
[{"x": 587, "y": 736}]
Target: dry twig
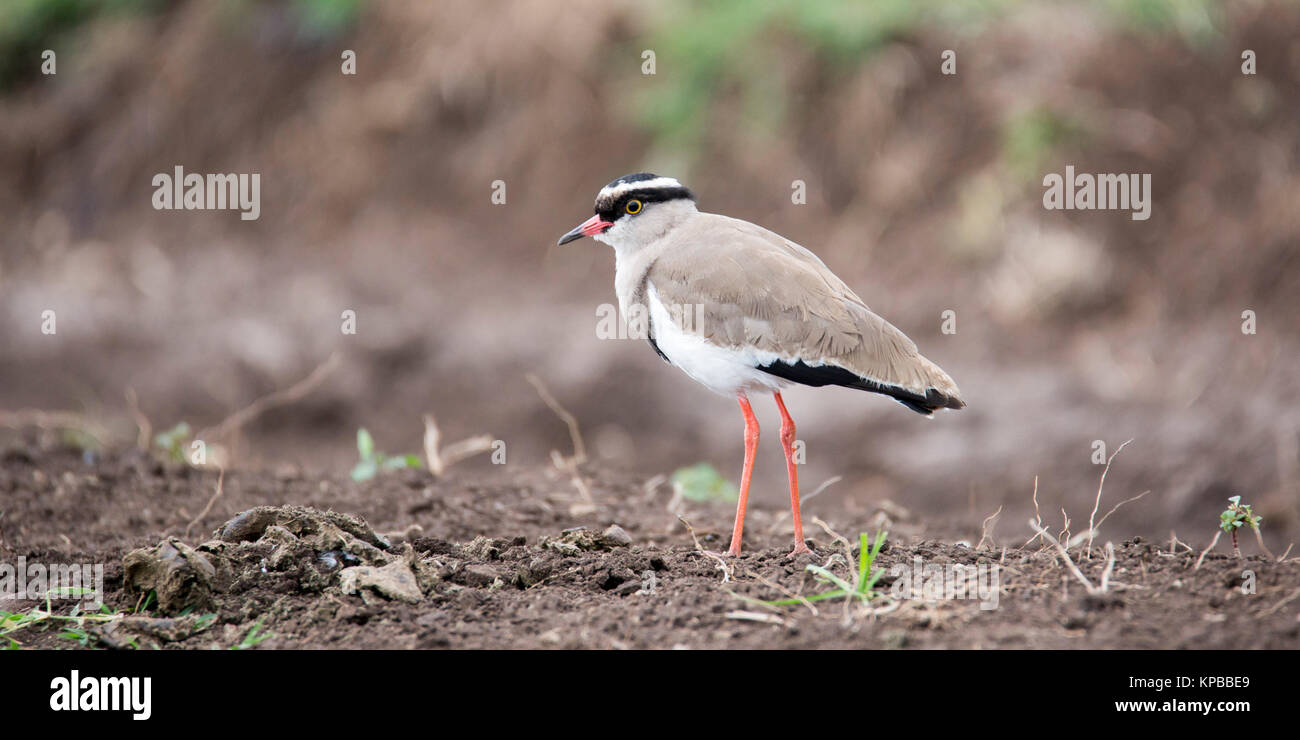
[
  {"x": 722, "y": 564},
  {"x": 1273, "y": 609},
  {"x": 1115, "y": 508},
  {"x": 788, "y": 593},
  {"x": 579, "y": 449},
  {"x": 836, "y": 537},
  {"x": 986, "y": 531},
  {"x": 144, "y": 434},
  {"x": 293, "y": 393},
  {"x": 567, "y": 464},
  {"x": 570, "y": 466},
  {"x": 1038, "y": 517},
  {"x": 1092, "y": 528},
  {"x": 779, "y": 520},
  {"x": 221, "y": 479},
  {"x": 438, "y": 458},
  {"x": 1206, "y": 551},
  {"x": 1174, "y": 542},
  {"x": 755, "y": 617},
  {"x": 1260, "y": 539},
  {"x": 1110, "y": 566},
  {"x": 1065, "y": 556}
]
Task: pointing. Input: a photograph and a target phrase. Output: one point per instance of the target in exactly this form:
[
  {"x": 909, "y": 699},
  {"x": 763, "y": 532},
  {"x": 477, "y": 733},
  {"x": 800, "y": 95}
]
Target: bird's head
[{"x": 634, "y": 210}]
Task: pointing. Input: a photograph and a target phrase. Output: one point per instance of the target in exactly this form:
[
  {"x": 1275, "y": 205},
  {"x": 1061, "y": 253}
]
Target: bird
[{"x": 741, "y": 309}]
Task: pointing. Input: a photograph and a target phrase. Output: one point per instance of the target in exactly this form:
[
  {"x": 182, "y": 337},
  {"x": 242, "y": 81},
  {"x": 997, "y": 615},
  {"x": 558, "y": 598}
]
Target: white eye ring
[{"x": 633, "y": 207}]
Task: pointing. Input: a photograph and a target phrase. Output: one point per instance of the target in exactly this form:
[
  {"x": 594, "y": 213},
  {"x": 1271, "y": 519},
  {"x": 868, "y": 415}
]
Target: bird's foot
[{"x": 800, "y": 549}]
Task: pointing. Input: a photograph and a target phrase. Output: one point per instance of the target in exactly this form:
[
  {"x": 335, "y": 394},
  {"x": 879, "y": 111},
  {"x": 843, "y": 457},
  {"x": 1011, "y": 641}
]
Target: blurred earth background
[{"x": 923, "y": 192}]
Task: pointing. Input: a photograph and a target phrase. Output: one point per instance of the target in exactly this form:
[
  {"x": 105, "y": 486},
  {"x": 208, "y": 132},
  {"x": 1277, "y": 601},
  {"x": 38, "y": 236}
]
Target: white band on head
[{"x": 657, "y": 183}]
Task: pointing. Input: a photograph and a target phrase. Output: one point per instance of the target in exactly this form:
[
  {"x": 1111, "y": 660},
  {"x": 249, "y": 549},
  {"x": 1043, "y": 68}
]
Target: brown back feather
[{"x": 759, "y": 289}]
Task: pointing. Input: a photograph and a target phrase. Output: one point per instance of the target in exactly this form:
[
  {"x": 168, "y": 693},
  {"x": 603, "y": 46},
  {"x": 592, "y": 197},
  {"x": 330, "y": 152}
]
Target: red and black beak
[{"x": 590, "y": 227}]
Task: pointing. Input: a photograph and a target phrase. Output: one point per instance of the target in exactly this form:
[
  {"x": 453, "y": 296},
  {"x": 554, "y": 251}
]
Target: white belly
[{"x": 720, "y": 369}]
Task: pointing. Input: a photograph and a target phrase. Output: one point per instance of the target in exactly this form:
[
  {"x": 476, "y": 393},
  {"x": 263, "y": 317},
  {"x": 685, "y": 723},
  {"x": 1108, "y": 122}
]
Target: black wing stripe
[{"x": 821, "y": 375}]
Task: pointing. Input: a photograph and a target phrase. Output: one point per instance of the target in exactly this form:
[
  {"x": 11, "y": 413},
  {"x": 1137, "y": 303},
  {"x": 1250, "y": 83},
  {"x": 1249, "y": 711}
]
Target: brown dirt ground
[{"x": 479, "y": 546}]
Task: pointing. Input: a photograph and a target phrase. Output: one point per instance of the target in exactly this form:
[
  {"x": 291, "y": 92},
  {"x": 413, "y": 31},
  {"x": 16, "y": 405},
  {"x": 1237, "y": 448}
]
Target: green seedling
[
  {"x": 372, "y": 461},
  {"x": 254, "y": 637},
  {"x": 202, "y": 622},
  {"x": 75, "y": 621},
  {"x": 704, "y": 484},
  {"x": 173, "y": 441},
  {"x": 77, "y": 634},
  {"x": 864, "y": 577},
  {"x": 327, "y": 18},
  {"x": 1234, "y": 517},
  {"x": 1029, "y": 138},
  {"x": 146, "y": 601}
]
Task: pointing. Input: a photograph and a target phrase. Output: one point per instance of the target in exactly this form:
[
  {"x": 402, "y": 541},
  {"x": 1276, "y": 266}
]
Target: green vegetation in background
[
  {"x": 1195, "y": 21},
  {"x": 703, "y": 49},
  {"x": 28, "y": 27},
  {"x": 174, "y": 442},
  {"x": 313, "y": 20},
  {"x": 328, "y": 18},
  {"x": 703, "y": 483},
  {"x": 1028, "y": 139},
  {"x": 373, "y": 461}
]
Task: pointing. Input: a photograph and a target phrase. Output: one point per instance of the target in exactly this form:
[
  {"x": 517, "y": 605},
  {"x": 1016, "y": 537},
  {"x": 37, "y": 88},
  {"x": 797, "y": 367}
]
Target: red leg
[
  {"x": 751, "y": 446},
  {"x": 787, "y": 441}
]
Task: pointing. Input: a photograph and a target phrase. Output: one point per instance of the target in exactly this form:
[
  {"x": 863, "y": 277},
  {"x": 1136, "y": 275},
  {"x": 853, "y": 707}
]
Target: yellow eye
[{"x": 634, "y": 207}]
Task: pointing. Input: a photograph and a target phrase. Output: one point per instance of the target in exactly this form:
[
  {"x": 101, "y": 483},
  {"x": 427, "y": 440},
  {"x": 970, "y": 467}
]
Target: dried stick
[
  {"x": 1260, "y": 539},
  {"x": 1110, "y": 566},
  {"x": 1213, "y": 542},
  {"x": 570, "y": 466},
  {"x": 221, "y": 478},
  {"x": 985, "y": 530},
  {"x": 722, "y": 564},
  {"x": 849, "y": 562},
  {"x": 755, "y": 617},
  {"x": 789, "y": 594},
  {"x": 1092, "y": 529},
  {"x": 1038, "y": 517},
  {"x": 1174, "y": 542},
  {"x": 836, "y": 537},
  {"x": 279, "y": 398},
  {"x": 780, "y": 518},
  {"x": 1273, "y": 609},
  {"x": 1116, "y": 507},
  {"x": 145, "y": 429},
  {"x": 579, "y": 449},
  {"x": 438, "y": 459},
  {"x": 1065, "y": 556}
]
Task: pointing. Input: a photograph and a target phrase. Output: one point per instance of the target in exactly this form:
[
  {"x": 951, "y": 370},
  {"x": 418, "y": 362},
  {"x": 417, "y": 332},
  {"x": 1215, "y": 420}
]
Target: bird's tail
[{"x": 940, "y": 392}]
